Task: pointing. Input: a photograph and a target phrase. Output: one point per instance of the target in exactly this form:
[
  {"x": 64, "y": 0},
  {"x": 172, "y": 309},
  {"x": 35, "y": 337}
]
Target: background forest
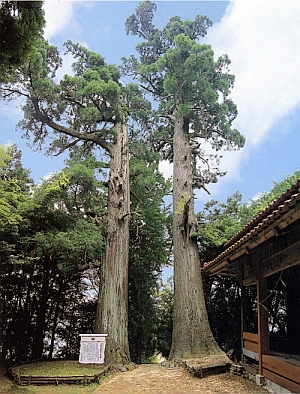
[
  {"x": 50, "y": 253},
  {"x": 105, "y": 215}
]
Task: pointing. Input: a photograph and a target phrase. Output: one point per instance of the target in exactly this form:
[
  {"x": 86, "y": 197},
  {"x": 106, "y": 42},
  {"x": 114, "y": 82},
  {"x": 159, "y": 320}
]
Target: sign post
[{"x": 92, "y": 348}]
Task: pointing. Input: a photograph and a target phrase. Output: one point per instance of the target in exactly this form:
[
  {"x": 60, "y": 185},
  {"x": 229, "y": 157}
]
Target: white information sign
[{"x": 92, "y": 348}]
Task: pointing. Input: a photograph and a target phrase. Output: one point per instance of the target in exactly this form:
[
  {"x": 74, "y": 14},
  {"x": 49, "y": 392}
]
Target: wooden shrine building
[{"x": 265, "y": 258}]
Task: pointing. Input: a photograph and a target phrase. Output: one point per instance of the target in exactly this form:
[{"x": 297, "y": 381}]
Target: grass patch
[
  {"x": 61, "y": 389},
  {"x": 58, "y": 368}
]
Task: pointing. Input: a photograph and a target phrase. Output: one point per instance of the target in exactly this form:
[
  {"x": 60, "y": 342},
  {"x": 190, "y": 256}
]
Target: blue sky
[{"x": 262, "y": 40}]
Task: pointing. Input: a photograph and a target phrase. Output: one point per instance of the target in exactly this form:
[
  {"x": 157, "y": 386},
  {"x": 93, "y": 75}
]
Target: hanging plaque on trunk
[{"x": 92, "y": 348}]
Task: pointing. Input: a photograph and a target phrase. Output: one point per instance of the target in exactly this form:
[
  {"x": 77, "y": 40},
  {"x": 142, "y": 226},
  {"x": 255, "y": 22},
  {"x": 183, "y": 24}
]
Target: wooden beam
[
  {"x": 281, "y": 260},
  {"x": 250, "y": 336},
  {"x": 285, "y": 372},
  {"x": 250, "y": 353},
  {"x": 284, "y": 367},
  {"x": 266, "y": 231},
  {"x": 282, "y": 381},
  {"x": 262, "y": 316},
  {"x": 250, "y": 342}
]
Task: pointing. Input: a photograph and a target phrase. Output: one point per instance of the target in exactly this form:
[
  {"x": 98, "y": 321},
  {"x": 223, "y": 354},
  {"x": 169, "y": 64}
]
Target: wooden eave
[{"x": 269, "y": 223}]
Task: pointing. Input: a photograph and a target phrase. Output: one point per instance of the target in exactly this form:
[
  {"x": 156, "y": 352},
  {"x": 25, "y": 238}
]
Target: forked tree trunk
[
  {"x": 192, "y": 335},
  {"x": 112, "y": 307}
]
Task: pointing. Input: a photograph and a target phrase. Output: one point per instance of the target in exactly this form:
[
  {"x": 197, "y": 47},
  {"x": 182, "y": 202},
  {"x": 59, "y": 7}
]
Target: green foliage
[
  {"x": 82, "y": 113},
  {"x": 223, "y": 302},
  {"x": 148, "y": 252},
  {"x": 218, "y": 223},
  {"x": 76, "y": 190},
  {"x": 44, "y": 310},
  {"x": 21, "y": 24},
  {"x": 182, "y": 75},
  {"x": 14, "y": 188},
  {"x": 81, "y": 110},
  {"x": 68, "y": 204},
  {"x": 80, "y": 244},
  {"x": 221, "y": 221},
  {"x": 58, "y": 236},
  {"x": 52, "y": 189},
  {"x": 183, "y": 199},
  {"x": 4, "y": 158},
  {"x": 138, "y": 108},
  {"x": 258, "y": 204},
  {"x": 164, "y": 313}
]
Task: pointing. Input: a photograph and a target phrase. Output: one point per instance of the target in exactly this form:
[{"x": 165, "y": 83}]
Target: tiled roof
[{"x": 275, "y": 213}]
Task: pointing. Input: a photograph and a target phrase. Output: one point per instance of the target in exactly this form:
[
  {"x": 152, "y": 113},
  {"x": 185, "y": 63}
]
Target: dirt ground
[{"x": 147, "y": 378}]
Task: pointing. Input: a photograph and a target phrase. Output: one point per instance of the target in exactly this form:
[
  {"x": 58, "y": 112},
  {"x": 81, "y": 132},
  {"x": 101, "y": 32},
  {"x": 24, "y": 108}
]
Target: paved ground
[{"x": 148, "y": 378}]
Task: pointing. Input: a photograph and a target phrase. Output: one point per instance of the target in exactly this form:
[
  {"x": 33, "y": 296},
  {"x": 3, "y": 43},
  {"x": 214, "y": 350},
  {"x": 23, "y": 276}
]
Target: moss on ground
[{"x": 58, "y": 368}]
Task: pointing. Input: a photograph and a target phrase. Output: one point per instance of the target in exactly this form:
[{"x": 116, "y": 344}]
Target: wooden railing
[
  {"x": 250, "y": 345},
  {"x": 283, "y": 371},
  {"x": 286, "y": 373},
  {"x": 250, "y": 341}
]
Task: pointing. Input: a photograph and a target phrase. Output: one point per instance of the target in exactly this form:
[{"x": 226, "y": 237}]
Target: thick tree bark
[
  {"x": 192, "y": 336},
  {"x": 112, "y": 307}
]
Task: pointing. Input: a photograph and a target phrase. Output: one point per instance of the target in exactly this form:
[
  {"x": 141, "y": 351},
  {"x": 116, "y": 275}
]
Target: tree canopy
[
  {"x": 14, "y": 188},
  {"x": 53, "y": 233},
  {"x": 21, "y": 25},
  {"x": 194, "y": 108},
  {"x": 181, "y": 74},
  {"x": 45, "y": 255},
  {"x": 86, "y": 111}
]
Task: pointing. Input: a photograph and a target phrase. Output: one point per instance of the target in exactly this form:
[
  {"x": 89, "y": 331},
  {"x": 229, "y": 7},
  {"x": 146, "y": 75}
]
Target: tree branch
[
  {"x": 67, "y": 147},
  {"x": 40, "y": 116}
]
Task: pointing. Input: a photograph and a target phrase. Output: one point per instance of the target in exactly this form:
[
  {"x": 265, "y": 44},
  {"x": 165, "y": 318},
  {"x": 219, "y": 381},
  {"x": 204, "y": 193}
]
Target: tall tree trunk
[
  {"x": 192, "y": 336},
  {"x": 112, "y": 307}
]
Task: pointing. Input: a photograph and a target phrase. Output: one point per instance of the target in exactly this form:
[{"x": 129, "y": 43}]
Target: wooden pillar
[
  {"x": 242, "y": 311},
  {"x": 292, "y": 280},
  {"x": 262, "y": 316}
]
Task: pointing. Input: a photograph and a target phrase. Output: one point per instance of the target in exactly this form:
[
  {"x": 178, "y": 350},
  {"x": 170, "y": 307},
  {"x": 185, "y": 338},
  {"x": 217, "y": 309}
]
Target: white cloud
[
  {"x": 66, "y": 68},
  {"x": 58, "y": 15},
  {"x": 229, "y": 164},
  {"x": 49, "y": 175},
  {"x": 262, "y": 40},
  {"x": 12, "y": 109},
  {"x": 166, "y": 168}
]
